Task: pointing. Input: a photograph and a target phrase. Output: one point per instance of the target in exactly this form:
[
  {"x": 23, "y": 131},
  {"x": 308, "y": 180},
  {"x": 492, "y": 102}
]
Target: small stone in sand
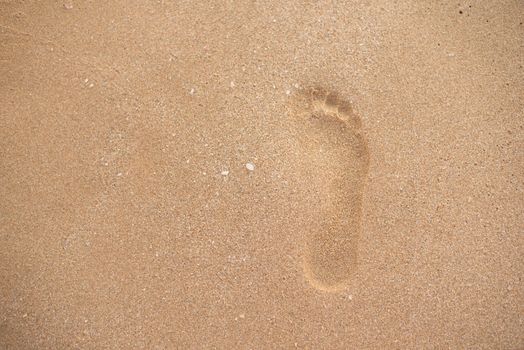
[
  {"x": 250, "y": 166},
  {"x": 224, "y": 172}
]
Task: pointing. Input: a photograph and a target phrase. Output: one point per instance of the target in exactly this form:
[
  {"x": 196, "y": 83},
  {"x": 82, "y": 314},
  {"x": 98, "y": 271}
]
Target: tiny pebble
[
  {"x": 232, "y": 84},
  {"x": 250, "y": 166},
  {"x": 288, "y": 92},
  {"x": 224, "y": 173},
  {"x": 192, "y": 92}
]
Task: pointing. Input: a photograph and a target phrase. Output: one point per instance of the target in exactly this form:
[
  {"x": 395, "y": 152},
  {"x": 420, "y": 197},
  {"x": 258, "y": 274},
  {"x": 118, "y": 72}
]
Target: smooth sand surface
[{"x": 261, "y": 174}]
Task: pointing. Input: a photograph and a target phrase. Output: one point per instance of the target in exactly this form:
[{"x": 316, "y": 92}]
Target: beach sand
[{"x": 261, "y": 174}]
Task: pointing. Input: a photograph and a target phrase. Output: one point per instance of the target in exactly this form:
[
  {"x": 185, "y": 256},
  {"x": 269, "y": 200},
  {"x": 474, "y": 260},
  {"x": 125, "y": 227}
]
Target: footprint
[{"x": 336, "y": 157}]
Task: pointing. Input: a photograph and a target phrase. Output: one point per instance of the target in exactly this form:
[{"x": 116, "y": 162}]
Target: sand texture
[{"x": 261, "y": 174}]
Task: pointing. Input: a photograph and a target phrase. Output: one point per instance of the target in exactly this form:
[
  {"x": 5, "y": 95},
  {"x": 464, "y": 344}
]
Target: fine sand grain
[{"x": 261, "y": 174}]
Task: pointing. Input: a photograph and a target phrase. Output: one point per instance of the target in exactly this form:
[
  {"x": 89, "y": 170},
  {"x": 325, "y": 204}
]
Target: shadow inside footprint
[{"x": 336, "y": 154}]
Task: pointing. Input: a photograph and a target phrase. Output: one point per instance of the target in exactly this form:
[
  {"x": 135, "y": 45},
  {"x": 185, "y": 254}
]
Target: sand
[{"x": 261, "y": 175}]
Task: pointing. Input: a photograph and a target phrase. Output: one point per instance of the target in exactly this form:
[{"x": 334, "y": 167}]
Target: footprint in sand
[{"x": 337, "y": 158}]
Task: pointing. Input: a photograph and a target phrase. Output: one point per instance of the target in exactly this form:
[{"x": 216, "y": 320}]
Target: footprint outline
[{"x": 330, "y": 257}]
